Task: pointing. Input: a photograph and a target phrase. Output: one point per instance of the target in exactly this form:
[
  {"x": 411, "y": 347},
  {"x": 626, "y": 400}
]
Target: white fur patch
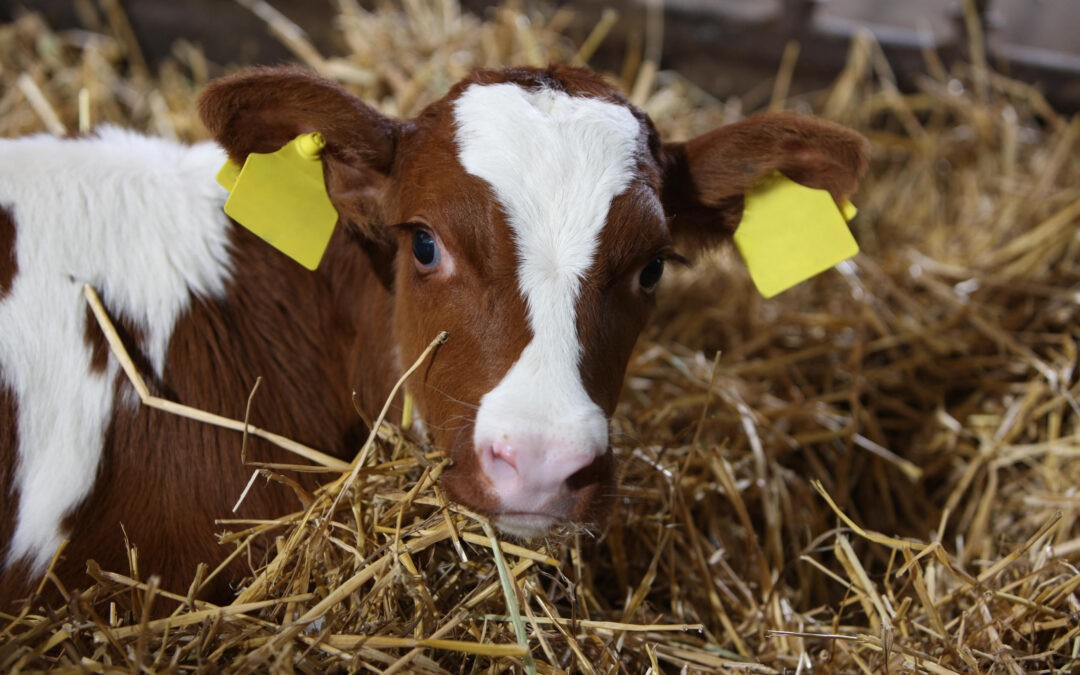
[
  {"x": 555, "y": 162},
  {"x": 138, "y": 218}
]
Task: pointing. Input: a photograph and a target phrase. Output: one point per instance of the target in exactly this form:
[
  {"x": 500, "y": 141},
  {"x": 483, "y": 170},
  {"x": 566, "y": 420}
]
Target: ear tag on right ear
[
  {"x": 282, "y": 198},
  {"x": 790, "y": 232}
]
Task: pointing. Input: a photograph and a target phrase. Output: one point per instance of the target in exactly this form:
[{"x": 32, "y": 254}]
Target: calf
[{"x": 529, "y": 213}]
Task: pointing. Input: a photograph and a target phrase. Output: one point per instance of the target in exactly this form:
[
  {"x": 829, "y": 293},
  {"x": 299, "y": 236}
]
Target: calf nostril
[
  {"x": 588, "y": 474},
  {"x": 502, "y": 462},
  {"x": 504, "y": 452}
]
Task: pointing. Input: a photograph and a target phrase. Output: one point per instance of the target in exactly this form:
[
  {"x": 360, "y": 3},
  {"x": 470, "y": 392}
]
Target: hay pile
[{"x": 876, "y": 471}]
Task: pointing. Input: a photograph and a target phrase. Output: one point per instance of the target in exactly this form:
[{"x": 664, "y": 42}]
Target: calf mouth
[{"x": 525, "y": 524}]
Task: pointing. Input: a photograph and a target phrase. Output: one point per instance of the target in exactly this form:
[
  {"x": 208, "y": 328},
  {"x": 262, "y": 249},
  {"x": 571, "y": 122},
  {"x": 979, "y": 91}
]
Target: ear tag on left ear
[
  {"x": 790, "y": 232},
  {"x": 281, "y": 197}
]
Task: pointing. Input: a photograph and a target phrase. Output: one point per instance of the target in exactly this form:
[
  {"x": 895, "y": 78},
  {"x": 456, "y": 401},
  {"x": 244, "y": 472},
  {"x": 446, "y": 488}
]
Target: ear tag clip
[
  {"x": 282, "y": 198},
  {"x": 790, "y": 232}
]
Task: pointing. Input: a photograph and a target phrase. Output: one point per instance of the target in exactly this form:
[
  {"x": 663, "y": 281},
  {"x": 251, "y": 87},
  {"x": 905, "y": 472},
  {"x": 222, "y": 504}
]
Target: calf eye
[
  {"x": 425, "y": 250},
  {"x": 650, "y": 276}
]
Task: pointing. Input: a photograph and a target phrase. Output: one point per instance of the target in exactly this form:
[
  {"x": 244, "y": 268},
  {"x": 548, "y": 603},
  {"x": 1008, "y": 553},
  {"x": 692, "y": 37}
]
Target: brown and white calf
[{"x": 529, "y": 213}]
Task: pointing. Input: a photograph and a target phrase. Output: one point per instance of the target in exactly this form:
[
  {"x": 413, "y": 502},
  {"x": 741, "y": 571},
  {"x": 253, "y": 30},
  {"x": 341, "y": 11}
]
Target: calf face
[{"x": 529, "y": 213}]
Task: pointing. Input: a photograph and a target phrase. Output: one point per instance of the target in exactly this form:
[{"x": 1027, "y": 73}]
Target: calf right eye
[
  {"x": 650, "y": 276},
  {"x": 425, "y": 250}
]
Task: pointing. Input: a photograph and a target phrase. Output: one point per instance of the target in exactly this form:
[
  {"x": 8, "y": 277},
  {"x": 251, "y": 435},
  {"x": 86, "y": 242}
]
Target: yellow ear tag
[
  {"x": 790, "y": 232},
  {"x": 282, "y": 198}
]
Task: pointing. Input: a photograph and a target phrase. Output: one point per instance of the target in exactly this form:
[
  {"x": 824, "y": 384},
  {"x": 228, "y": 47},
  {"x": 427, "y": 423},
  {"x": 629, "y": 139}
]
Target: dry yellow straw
[{"x": 506, "y": 580}]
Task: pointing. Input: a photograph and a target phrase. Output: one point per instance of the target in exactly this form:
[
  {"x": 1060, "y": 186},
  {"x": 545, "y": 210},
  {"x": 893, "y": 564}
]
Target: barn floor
[{"x": 876, "y": 471}]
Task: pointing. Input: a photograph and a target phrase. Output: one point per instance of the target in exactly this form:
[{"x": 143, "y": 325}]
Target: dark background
[{"x": 725, "y": 46}]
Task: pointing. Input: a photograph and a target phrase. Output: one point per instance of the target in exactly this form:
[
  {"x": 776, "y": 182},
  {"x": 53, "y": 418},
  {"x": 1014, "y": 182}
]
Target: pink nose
[{"x": 530, "y": 474}]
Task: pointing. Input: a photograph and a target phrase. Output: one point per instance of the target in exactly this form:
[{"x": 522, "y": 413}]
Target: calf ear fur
[
  {"x": 705, "y": 178},
  {"x": 262, "y": 109}
]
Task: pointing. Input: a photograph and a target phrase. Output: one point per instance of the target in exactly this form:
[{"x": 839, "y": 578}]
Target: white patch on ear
[
  {"x": 138, "y": 218},
  {"x": 554, "y": 162}
]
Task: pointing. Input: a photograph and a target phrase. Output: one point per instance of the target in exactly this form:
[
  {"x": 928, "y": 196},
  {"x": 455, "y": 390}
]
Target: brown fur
[
  {"x": 8, "y": 264},
  {"x": 12, "y": 582},
  {"x": 316, "y": 338}
]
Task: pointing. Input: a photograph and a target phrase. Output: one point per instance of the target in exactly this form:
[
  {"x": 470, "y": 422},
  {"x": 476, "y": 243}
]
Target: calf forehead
[{"x": 554, "y": 162}]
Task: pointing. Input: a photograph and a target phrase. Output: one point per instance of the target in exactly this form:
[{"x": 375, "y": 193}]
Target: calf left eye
[
  {"x": 425, "y": 249},
  {"x": 650, "y": 275}
]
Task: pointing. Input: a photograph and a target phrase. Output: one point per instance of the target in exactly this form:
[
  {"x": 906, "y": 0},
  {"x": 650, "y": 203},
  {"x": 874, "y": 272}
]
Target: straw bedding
[{"x": 876, "y": 471}]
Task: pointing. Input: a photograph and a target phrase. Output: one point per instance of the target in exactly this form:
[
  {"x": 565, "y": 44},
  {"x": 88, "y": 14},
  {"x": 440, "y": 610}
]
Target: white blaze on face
[
  {"x": 138, "y": 218},
  {"x": 554, "y": 162}
]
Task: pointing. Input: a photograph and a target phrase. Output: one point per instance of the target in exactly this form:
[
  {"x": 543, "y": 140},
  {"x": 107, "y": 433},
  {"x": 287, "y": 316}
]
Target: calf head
[{"x": 529, "y": 213}]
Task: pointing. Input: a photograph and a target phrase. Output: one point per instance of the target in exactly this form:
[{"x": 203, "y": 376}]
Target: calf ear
[
  {"x": 705, "y": 178},
  {"x": 261, "y": 109}
]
